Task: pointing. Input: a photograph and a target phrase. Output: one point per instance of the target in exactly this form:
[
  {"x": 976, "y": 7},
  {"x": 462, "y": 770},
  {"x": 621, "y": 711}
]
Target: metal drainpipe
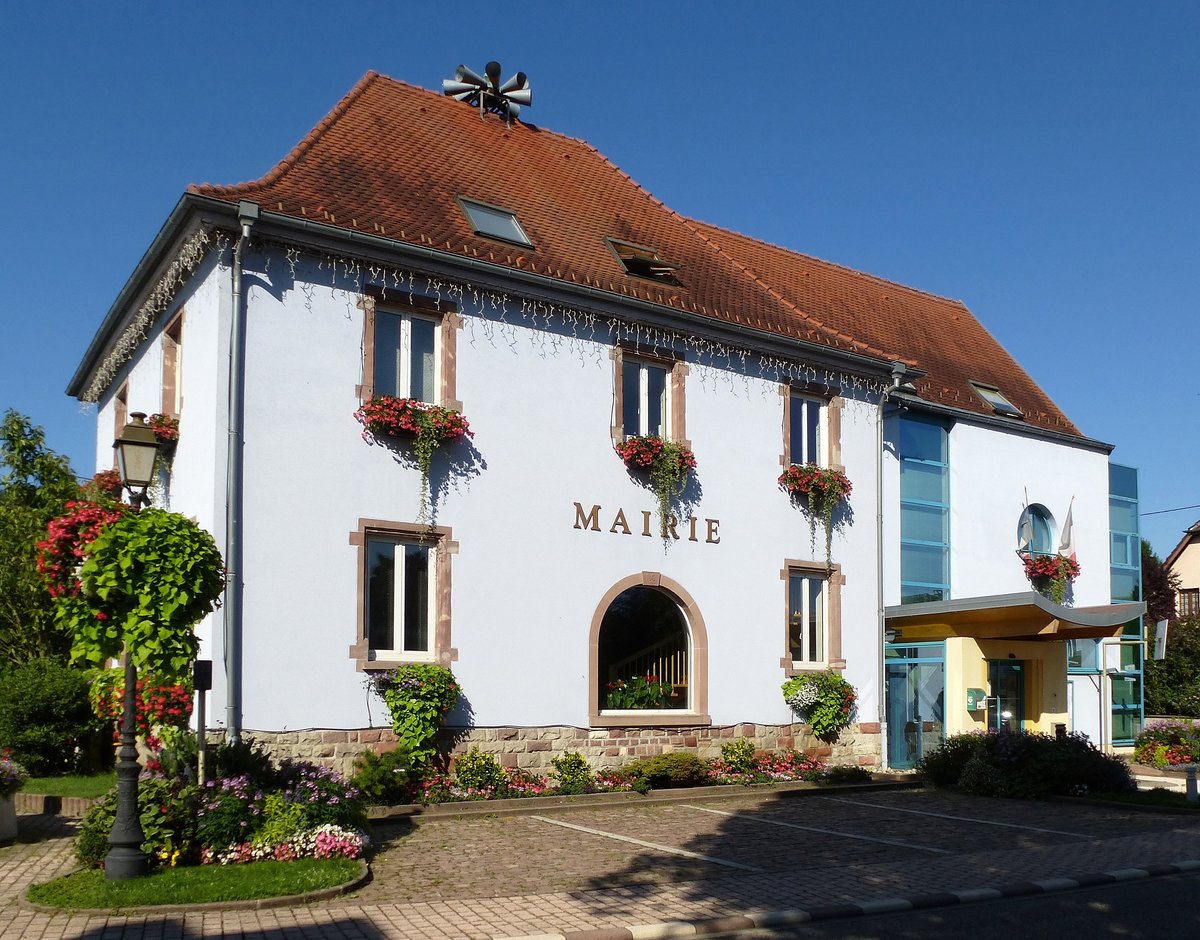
[
  {"x": 898, "y": 370},
  {"x": 247, "y": 216}
]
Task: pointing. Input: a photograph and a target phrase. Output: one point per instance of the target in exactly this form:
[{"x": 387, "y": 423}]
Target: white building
[{"x": 408, "y": 247}]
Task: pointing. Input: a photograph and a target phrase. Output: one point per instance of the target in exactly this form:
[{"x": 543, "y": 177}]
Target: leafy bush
[
  {"x": 325, "y": 797},
  {"x": 666, "y": 771},
  {"x": 47, "y": 722},
  {"x": 418, "y": 697},
  {"x": 1168, "y": 743},
  {"x": 824, "y": 700},
  {"x": 1026, "y": 765},
  {"x": 385, "y": 779},
  {"x": 574, "y": 774},
  {"x": 846, "y": 773},
  {"x": 167, "y": 809},
  {"x": 246, "y": 757},
  {"x": 943, "y": 765},
  {"x": 230, "y": 811},
  {"x": 738, "y": 755},
  {"x": 477, "y": 770}
]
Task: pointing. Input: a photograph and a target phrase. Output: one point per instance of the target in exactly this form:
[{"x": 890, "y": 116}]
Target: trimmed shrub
[
  {"x": 385, "y": 779},
  {"x": 574, "y": 774},
  {"x": 738, "y": 755},
  {"x": 1026, "y": 765},
  {"x": 47, "y": 721},
  {"x": 666, "y": 771},
  {"x": 478, "y": 770}
]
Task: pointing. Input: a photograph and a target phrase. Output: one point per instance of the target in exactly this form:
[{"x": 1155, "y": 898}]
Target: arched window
[
  {"x": 643, "y": 652},
  {"x": 648, "y": 656},
  {"x": 1035, "y": 530}
]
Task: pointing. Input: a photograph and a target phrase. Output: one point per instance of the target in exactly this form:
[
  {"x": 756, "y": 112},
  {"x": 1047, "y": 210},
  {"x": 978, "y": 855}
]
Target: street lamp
[{"x": 136, "y": 448}]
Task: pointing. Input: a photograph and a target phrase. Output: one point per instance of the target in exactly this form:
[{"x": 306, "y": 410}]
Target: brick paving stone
[{"x": 513, "y": 875}]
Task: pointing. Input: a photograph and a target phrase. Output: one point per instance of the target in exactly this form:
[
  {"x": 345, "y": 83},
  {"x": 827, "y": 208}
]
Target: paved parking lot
[{"x": 551, "y": 871}]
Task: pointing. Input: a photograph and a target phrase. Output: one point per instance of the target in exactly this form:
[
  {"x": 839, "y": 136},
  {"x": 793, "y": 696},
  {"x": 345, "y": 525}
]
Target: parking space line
[
  {"x": 971, "y": 819},
  {"x": 648, "y": 845},
  {"x": 828, "y": 832}
]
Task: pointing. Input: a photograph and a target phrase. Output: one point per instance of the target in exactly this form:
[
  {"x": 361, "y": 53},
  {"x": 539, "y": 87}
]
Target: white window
[
  {"x": 399, "y": 599},
  {"x": 807, "y": 430},
  {"x": 807, "y": 616},
  {"x": 406, "y": 361},
  {"x": 645, "y": 397}
]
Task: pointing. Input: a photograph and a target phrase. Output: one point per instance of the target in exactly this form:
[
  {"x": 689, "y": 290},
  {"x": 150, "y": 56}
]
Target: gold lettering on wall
[{"x": 589, "y": 520}]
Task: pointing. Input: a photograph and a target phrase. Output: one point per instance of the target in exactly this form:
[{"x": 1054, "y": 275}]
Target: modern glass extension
[
  {"x": 916, "y": 700},
  {"x": 1124, "y": 664},
  {"x": 924, "y": 510}
]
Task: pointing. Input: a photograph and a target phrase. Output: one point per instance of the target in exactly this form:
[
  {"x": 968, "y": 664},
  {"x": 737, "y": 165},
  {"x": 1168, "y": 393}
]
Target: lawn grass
[
  {"x": 86, "y": 787},
  {"x": 200, "y": 884}
]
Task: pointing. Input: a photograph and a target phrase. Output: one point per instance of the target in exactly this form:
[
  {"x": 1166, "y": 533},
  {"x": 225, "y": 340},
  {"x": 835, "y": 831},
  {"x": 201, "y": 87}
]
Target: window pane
[
  {"x": 1041, "y": 533},
  {"x": 495, "y": 222},
  {"x": 656, "y": 400},
  {"x": 421, "y": 362},
  {"x": 416, "y": 598},
  {"x": 386, "y": 380},
  {"x": 1122, "y": 481},
  {"x": 381, "y": 584},
  {"x": 816, "y": 620},
  {"x": 923, "y": 563},
  {"x": 920, "y": 594},
  {"x": 922, "y": 481},
  {"x": 1120, "y": 550},
  {"x": 796, "y": 617},
  {"x": 1125, "y": 584},
  {"x": 1083, "y": 654},
  {"x": 1122, "y": 515},
  {"x": 922, "y": 441},
  {"x": 631, "y": 396},
  {"x": 923, "y": 523},
  {"x": 804, "y": 427}
]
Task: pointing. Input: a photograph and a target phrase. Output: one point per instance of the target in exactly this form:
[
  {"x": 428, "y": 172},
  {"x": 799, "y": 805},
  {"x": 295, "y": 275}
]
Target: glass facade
[
  {"x": 915, "y": 674},
  {"x": 1125, "y": 567},
  {"x": 924, "y": 510}
]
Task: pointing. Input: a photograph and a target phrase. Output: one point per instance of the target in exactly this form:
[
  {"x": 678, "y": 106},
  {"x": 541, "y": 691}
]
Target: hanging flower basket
[
  {"x": 817, "y": 491},
  {"x": 822, "y": 700},
  {"x": 1050, "y": 574},
  {"x": 429, "y": 427},
  {"x": 669, "y": 464}
]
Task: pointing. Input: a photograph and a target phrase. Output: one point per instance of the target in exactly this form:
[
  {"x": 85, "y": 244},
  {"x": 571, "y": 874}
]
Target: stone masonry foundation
[{"x": 533, "y": 748}]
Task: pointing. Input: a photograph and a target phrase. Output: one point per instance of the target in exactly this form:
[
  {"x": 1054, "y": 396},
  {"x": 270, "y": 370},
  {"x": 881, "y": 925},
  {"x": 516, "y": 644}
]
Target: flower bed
[{"x": 1168, "y": 744}]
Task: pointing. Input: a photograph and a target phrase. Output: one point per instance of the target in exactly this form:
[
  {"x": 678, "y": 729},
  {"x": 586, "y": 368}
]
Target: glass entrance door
[
  {"x": 916, "y": 695},
  {"x": 1006, "y": 703}
]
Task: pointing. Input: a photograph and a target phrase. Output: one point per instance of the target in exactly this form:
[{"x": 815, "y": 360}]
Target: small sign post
[{"x": 202, "y": 682}]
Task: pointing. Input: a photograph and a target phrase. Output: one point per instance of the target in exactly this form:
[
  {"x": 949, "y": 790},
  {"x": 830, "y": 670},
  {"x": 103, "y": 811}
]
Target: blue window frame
[
  {"x": 1125, "y": 568},
  {"x": 924, "y": 510}
]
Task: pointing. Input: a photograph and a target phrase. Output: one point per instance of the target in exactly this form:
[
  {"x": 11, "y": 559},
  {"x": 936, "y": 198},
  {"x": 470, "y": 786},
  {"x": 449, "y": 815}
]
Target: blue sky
[{"x": 1037, "y": 161}]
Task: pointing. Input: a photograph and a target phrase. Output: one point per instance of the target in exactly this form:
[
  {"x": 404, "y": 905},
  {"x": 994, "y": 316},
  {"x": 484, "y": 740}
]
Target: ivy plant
[
  {"x": 147, "y": 578},
  {"x": 418, "y": 697}
]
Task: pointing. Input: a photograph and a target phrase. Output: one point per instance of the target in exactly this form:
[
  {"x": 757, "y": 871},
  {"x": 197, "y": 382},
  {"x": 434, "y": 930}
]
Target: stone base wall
[{"x": 533, "y": 748}]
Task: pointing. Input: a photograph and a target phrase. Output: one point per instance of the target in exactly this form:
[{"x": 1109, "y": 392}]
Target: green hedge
[{"x": 47, "y": 721}]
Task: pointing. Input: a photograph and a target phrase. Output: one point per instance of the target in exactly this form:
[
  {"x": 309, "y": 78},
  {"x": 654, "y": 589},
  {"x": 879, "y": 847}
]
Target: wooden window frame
[{"x": 677, "y": 372}]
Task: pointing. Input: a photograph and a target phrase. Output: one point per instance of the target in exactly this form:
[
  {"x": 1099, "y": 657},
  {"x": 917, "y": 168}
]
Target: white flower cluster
[
  {"x": 804, "y": 697},
  {"x": 327, "y": 841}
]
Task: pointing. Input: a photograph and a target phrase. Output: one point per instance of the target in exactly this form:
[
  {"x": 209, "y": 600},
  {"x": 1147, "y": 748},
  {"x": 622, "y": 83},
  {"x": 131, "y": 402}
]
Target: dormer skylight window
[
  {"x": 493, "y": 222},
  {"x": 643, "y": 262},
  {"x": 994, "y": 397}
]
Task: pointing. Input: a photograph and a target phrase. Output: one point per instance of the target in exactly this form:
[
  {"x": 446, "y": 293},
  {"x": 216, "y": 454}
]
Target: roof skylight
[
  {"x": 494, "y": 222},
  {"x": 643, "y": 262},
  {"x": 994, "y": 397}
]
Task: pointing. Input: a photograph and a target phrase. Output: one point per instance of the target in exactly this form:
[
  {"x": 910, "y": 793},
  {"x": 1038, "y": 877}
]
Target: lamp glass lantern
[{"x": 136, "y": 448}]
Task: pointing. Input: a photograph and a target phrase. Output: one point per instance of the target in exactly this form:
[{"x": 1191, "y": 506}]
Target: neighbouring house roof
[
  {"x": 1191, "y": 536},
  {"x": 392, "y": 160}
]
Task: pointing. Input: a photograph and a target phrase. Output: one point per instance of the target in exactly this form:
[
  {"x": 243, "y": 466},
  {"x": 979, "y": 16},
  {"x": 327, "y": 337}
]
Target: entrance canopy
[{"x": 1024, "y": 616}]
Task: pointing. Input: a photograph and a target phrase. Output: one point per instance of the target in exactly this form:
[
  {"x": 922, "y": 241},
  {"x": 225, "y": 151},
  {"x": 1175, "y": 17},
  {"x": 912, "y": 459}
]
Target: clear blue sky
[{"x": 1038, "y": 161}]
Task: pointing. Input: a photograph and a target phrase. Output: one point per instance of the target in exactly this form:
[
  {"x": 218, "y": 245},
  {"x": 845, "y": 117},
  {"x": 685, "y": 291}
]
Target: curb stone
[
  {"x": 253, "y": 904},
  {"x": 670, "y": 930}
]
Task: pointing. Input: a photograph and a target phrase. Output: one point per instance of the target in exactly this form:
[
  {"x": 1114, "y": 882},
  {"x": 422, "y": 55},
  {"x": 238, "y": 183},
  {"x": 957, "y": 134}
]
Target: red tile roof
[{"x": 390, "y": 159}]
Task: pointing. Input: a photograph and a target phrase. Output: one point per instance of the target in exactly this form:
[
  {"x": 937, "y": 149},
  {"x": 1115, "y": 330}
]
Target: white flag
[{"x": 1066, "y": 545}]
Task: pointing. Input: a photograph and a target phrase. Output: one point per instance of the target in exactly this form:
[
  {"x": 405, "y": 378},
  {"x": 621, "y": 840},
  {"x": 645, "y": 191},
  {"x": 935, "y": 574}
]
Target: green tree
[
  {"x": 1158, "y": 587},
  {"x": 1173, "y": 683},
  {"x": 35, "y": 483}
]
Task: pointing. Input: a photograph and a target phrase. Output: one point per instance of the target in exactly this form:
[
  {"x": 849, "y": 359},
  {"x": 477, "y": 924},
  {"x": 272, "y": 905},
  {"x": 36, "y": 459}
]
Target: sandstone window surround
[
  {"x": 409, "y": 348},
  {"x": 649, "y": 393},
  {"x": 404, "y": 594},
  {"x": 813, "y": 616}
]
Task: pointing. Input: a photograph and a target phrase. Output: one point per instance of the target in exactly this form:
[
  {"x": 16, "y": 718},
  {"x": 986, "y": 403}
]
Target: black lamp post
[{"x": 136, "y": 448}]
